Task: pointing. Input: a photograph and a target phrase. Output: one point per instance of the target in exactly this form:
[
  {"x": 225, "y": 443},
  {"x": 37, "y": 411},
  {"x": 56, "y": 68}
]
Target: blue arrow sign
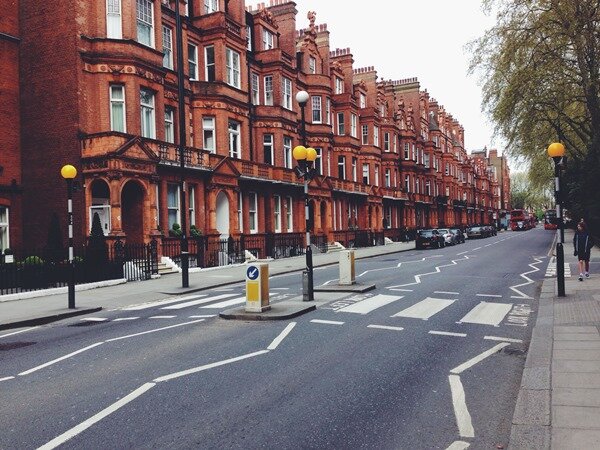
[{"x": 252, "y": 273}]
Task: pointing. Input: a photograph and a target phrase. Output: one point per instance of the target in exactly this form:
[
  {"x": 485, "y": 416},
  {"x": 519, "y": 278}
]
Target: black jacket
[{"x": 583, "y": 244}]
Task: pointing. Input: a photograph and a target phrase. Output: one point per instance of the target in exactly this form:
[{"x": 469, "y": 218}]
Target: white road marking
[
  {"x": 327, "y": 322},
  {"x": 478, "y": 248},
  {"x": 437, "y": 270},
  {"x": 199, "y": 302},
  {"x": 208, "y": 366},
  {"x": 6, "y": 378},
  {"x": 94, "y": 319},
  {"x": 488, "y": 245},
  {"x": 121, "y": 319},
  {"x": 489, "y": 295},
  {"x": 369, "y": 304},
  {"x": 280, "y": 289},
  {"x": 459, "y": 445},
  {"x": 223, "y": 289},
  {"x": 62, "y": 358},
  {"x": 327, "y": 282},
  {"x": 502, "y": 339},
  {"x": 448, "y": 333},
  {"x": 17, "y": 332},
  {"x": 446, "y": 292},
  {"x": 162, "y": 317},
  {"x": 487, "y": 313},
  {"x": 385, "y": 327},
  {"x": 203, "y": 316},
  {"x": 529, "y": 280},
  {"x": 225, "y": 304},
  {"x": 401, "y": 290},
  {"x": 425, "y": 308},
  {"x": 156, "y": 303},
  {"x": 462, "y": 253},
  {"x": 96, "y": 418},
  {"x": 463, "y": 418},
  {"x": 470, "y": 363},
  {"x": 281, "y": 336},
  {"x": 154, "y": 331}
]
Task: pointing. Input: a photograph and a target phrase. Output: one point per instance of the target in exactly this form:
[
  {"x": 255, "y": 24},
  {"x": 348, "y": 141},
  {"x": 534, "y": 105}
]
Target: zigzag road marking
[
  {"x": 437, "y": 270},
  {"x": 397, "y": 266},
  {"x": 529, "y": 280}
]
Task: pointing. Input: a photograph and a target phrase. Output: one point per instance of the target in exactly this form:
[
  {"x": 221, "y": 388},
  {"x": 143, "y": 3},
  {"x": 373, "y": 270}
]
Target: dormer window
[
  {"x": 312, "y": 65},
  {"x": 339, "y": 85},
  {"x": 268, "y": 40},
  {"x": 211, "y": 6},
  {"x": 363, "y": 101}
]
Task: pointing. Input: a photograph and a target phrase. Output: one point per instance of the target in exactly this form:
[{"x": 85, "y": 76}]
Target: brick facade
[{"x": 391, "y": 157}]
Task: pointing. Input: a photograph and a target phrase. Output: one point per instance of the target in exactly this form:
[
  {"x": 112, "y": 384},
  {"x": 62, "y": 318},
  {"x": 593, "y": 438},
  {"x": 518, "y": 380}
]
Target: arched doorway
[
  {"x": 223, "y": 214},
  {"x": 132, "y": 212},
  {"x": 100, "y": 205}
]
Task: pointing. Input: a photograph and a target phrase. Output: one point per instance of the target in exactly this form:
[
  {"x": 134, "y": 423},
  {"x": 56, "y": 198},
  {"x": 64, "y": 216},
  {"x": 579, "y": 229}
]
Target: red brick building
[
  {"x": 10, "y": 136},
  {"x": 389, "y": 155}
]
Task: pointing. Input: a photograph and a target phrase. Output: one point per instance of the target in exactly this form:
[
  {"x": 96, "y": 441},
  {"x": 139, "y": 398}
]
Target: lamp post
[
  {"x": 69, "y": 172},
  {"x": 305, "y": 157},
  {"x": 556, "y": 151}
]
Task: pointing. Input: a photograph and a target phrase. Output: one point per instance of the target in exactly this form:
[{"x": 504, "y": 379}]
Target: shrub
[
  {"x": 8, "y": 251},
  {"x": 33, "y": 260},
  {"x": 175, "y": 231},
  {"x": 195, "y": 232}
]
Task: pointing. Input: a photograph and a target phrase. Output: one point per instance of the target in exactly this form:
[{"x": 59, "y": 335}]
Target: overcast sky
[{"x": 414, "y": 38}]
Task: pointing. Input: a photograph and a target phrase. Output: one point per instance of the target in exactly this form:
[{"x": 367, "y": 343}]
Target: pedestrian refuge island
[{"x": 257, "y": 288}]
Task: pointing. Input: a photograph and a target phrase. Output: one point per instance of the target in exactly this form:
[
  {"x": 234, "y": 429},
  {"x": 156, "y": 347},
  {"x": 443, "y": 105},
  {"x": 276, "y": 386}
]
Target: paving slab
[
  {"x": 577, "y": 345},
  {"x": 575, "y": 329},
  {"x": 569, "y": 439},
  {"x": 576, "y": 337},
  {"x": 576, "y": 397},
  {"x": 533, "y": 408},
  {"x": 572, "y": 354},
  {"x": 576, "y": 366},
  {"x": 575, "y": 380},
  {"x": 581, "y": 417}
]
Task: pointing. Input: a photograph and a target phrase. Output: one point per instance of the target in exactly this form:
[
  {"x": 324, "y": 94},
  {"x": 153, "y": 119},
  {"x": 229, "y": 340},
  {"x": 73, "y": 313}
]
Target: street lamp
[
  {"x": 306, "y": 157},
  {"x": 69, "y": 172},
  {"x": 556, "y": 151}
]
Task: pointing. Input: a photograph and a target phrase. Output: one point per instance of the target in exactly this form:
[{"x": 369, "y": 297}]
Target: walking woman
[{"x": 583, "y": 244}]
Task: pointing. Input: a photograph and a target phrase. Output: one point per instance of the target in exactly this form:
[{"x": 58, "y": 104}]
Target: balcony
[
  {"x": 194, "y": 158},
  {"x": 348, "y": 187},
  {"x": 266, "y": 172}
]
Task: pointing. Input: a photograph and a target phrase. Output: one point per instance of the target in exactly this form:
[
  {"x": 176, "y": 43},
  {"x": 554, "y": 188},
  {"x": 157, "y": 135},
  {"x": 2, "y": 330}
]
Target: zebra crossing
[
  {"x": 484, "y": 313},
  {"x": 551, "y": 270}
]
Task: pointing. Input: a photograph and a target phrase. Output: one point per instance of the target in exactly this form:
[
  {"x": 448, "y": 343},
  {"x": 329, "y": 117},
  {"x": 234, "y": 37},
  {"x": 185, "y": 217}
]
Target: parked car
[
  {"x": 460, "y": 236},
  {"x": 475, "y": 232},
  {"x": 429, "y": 239},
  {"x": 449, "y": 237}
]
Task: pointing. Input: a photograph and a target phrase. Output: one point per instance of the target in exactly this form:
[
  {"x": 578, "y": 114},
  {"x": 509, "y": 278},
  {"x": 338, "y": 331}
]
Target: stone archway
[
  {"x": 223, "y": 214},
  {"x": 132, "y": 211}
]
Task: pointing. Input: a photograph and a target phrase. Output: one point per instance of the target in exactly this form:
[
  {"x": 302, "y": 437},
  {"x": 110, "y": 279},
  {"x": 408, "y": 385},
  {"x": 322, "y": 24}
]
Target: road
[{"x": 432, "y": 358}]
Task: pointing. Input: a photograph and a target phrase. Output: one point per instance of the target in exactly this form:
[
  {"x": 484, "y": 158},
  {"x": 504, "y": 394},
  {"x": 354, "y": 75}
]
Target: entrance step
[
  {"x": 164, "y": 269},
  {"x": 333, "y": 247}
]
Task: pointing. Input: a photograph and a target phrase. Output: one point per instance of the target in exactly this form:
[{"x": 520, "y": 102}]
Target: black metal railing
[{"x": 359, "y": 238}]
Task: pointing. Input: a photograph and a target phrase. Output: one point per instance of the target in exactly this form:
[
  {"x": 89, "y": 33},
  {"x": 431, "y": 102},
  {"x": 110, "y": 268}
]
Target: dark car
[
  {"x": 475, "y": 232},
  {"x": 460, "y": 237},
  {"x": 429, "y": 239}
]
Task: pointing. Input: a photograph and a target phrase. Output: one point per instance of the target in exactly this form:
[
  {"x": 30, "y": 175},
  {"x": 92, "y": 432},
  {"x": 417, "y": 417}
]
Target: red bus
[
  {"x": 550, "y": 220},
  {"x": 519, "y": 220}
]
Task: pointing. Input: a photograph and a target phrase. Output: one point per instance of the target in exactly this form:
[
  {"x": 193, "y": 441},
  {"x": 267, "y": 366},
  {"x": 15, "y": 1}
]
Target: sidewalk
[
  {"x": 558, "y": 406},
  {"x": 34, "y": 311}
]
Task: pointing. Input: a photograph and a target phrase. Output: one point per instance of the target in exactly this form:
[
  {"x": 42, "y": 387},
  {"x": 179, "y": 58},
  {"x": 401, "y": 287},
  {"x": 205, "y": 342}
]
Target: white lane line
[
  {"x": 203, "y": 316},
  {"x": 96, "y": 418},
  {"x": 487, "y": 313},
  {"x": 488, "y": 295},
  {"x": 156, "y": 303},
  {"x": 327, "y": 322},
  {"x": 446, "y": 292},
  {"x": 425, "y": 308},
  {"x": 162, "y": 317},
  {"x": 327, "y": 282},
  {"x": 62, "y": 358},
  {"x": 225, "y": 304},
  {"x": 94, "y": 319},
  {"x": 17, "y": 332},
  {"x": 401, "y": 290},
  {"x": 208, "y": 366},
  {"x": 223, "y": 289},
  {"x": 459, "y": 445},
  {"x": 121, "y": 319},
  {"x": 470, "y": 363},
  {"x": 462, "y": 253},
  {"x": 488, "y": 245},
  {"x": 200, "y": 302},
  {"x": 463, "y": 418},
  {"x": 448, "y": 333},
  {"x": 502, "y": 339},
  {"x": 369, "y": 304},
  {"x": 280, "y": 289},
  {"x": 478, "y": 248},
  {"x": 6, "y": 378},
  {"x": 153, "y": 331},
  {"x": 385, "y": 327},
  {"x": 281, "y": 336}
]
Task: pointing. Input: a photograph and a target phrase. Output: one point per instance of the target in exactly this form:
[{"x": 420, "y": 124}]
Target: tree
[
  {"x": 540, "y": 67},
  {"x": 97, "y": 249}
]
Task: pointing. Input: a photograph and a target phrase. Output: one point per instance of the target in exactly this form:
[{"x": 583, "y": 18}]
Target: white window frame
[
  {"x": 366, "y": 175},
  {"x": 193, "y": 61},
  {"x": 312, "y": 65},
  {"x": 116, "y": 102},
  {"x": 175, "y": 207},
  {"x": 353, "y": 125},
  {"x": 316, "y": 102},
  {"x": 319, "y": 161},
  {"x": 191, "y": 205},
  {"x": 268, "y": 145},
  {"x": 289, "y": 211},
  {"x": 287, "y": 152},
  {"x": 339, "y": 85},
  {"x": 255, "y": 88},
  {"x": 145, "y": 19},
  {"x": 363, "y": 101},
  {"x": 233, "y": 68},
  {"x": 386, "y": 141},
  {"x": 5, "y": 228},
  {"x": 286, "y": 93},
  {"x": 210, "y": 68},
  {"x": 277, "y": 213},
  {"x": 268, "y": 40},
  {"x": 388, "y": 178},
  {"x": 365, "y": 134},
  {"x": 167, "y": 35},
  {"x": 341, "y": 167},
  {"x": 268, "y": 84},
  {"x": 211, "y": 6},
  {"x": 341, "y": 126},
  {"x": 114, "y": 23},
  {"x": 240, "y": 211},
  {"x": 169, "y": 124},
  {"x": 235, "y": 145},
  {"x": 253, "y": 212},
  {"x": 328, "y": 111},
  {"x": 376, "y": 174},
  {"x": 407, "y": 183},
  {"x": 248, "y": 38},
  {"x": 147, "y": 109},
  {"x": 354, "y": 163},
  {"x": 209, "y": 133},
  {"x": 376, "y": 136}
]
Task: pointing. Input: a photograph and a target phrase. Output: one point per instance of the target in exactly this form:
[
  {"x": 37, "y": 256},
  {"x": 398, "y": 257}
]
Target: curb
[
  {"x": 48, "y": 319},
  {"x": 277, "y": 312},
  {"x": 61, "y": 290}
]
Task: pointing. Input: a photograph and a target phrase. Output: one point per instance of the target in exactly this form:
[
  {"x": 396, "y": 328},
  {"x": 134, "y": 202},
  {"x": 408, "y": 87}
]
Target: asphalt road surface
[{"x": 431, "y": 359}]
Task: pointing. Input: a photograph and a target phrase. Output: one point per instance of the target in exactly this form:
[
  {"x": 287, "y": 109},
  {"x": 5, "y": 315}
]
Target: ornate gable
[{"x": 136, "y": 148}]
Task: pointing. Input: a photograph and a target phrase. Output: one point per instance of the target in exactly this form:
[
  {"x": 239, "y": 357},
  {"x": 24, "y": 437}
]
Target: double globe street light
[
  {"x": 306, "y": 158},
  {"x": 556, "y": 151}
]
